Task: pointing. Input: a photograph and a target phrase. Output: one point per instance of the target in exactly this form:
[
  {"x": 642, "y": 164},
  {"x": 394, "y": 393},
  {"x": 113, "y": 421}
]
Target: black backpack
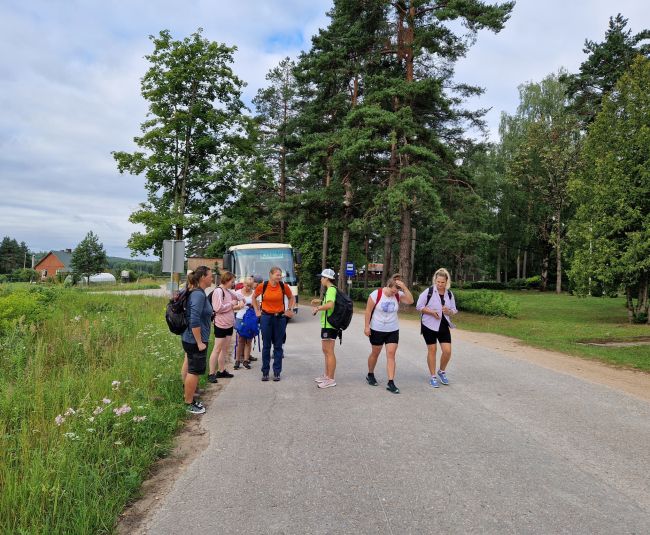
[
  {"x": 341, "y": 315},
  {"x": 430, "y": 293},
  {"x": 176, "y": 313}
]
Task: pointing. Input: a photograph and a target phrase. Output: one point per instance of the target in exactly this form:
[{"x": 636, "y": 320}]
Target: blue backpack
[{"x": 249, "y": 327}]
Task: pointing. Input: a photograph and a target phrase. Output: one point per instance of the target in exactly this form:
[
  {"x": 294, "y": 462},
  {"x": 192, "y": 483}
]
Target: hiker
[
  {"x": 273, "y": 313},
  {"x": 382, "y": 326},
  {"x": 224, "y": 302},
  {"x": 437, "y": 304},
  {"x": 328, "y": 334},
  {"x": 244, "y": 343},
  {"x": 196, "y": 336},
  {"x": 189, "y": 286}
]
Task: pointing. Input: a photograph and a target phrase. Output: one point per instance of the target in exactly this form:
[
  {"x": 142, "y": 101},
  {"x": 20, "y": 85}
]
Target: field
[{"x": 90, "y": 396}]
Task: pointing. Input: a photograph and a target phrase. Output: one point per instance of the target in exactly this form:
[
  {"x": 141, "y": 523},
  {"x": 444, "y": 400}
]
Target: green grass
[
  {"x": 561, "y": 322},
  {"x": 121, "y": 287},
  {"x": 77, "y": 477}
]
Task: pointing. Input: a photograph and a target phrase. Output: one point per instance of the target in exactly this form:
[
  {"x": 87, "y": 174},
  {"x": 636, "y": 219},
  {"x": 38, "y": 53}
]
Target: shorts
[
  {"x": 195, "y": 359},
  {"x": 329, "y": 334},
  {"x": 222, "y": 333},
  {"x": 442, "y": 336},
  {"x": 379, "y": 338}
]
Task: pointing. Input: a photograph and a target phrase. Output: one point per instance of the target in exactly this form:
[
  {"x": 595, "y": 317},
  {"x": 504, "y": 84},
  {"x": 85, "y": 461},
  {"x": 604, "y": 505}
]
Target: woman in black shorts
[
  {"x": 437, "y": 305},
  {"x": 382, "y": 327}
]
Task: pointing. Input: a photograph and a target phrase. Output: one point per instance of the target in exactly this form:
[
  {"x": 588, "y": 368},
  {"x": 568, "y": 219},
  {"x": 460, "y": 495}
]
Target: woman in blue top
[{"x": 196, "y": 336}]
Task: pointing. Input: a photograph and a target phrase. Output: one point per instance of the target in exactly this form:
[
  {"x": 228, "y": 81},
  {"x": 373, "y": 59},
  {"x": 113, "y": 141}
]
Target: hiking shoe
[
  {"x": 194, "y": 408},
  {"x": 236, "y": 366},
  {"x": 434, "y": 382},
  {"x": 212, "y": 378},
  {"x": 225, "y": 374},
  {"x": 252, "y": 359},
  {"x": 443, "y": 377},
  {"x": 247, "y": 365},
  {"x": 392, "y": 387},
  {"x": 276, "y": 378},
  {"x": 265, "y": 377},
  {"x": 327, "y": 383},
  {"x": 370, "y": 378},
  {"x": 321, "y": 379}
]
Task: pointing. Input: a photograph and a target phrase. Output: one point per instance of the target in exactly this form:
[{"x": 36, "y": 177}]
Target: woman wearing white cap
[{"x": 328, "y": 334}]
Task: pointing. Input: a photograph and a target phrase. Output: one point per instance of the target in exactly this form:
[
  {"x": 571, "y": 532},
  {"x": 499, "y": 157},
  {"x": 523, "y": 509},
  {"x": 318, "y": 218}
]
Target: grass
[
  {"x": 77, "y": 477},
  {"x": 120, "y": 287}
]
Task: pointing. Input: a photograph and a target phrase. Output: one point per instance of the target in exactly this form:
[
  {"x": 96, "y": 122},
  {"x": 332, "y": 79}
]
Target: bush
[
  {"x": 484, "y": 285},
  {"x": 361, "y": 294},
  {"x": 516, "y": 284},
  {"x": 24, "y": 275},
  {"x": 487, "y": 303},
  {"x": 534, "y": 282},
  {"x": 24, "y": 306}
]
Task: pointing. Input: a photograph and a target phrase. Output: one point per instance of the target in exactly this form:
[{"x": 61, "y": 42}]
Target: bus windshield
[{"x": 258, "y": 262}]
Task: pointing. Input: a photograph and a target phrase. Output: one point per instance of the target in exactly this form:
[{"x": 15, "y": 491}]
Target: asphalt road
[{"x": 508, "y": 447}]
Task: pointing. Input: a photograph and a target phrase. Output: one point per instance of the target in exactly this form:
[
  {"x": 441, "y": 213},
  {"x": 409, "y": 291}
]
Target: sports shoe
[
  {"x": 276, "y": 378},
  {"x": 252, "y": 359},
  {"x": 434, "y": 382},
  {"x": 327, "y": 383},
  {"x": 236, "y": 366},
  {"x": 321, "y": 379},
  {"x": 212, "y": 378},
  {"x": 194, "y": 408},
  {"x": 225, "y": 374},
  {"x": 443, "y": 377},
  {"x": 247, "y": 365},
  {"x": 392, "y": 387},
  {"x": 265, "y": 377},
  {"x": 370, "y": 378}
]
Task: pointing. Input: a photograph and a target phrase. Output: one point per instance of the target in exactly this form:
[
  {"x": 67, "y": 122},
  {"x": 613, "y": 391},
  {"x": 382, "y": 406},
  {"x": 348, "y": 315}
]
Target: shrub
[
  {"x": 485, "y": 285},
  {"x": 24, "y": 275},
  {"x": 360, "y": 294},
  {"x": 516, "y": 284},
  {"x": 533, "y": 282},
  {"x": 487, "y": 303},
  {"x": 24, "y": 306}
]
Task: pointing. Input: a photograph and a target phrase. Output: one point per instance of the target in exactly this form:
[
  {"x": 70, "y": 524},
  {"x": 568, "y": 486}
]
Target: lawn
[{"x": 90, "y": 396}]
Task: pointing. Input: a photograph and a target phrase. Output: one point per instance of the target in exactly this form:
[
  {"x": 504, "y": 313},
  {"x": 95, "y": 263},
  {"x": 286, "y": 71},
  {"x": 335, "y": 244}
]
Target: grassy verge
[
  {"x": 124, "y": 287},
  {"x": 89, "y": 397}
]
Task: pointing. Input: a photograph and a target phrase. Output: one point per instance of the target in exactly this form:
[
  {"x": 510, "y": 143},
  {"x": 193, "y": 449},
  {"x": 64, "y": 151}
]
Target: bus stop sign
[{"x": 349, "y": 269}]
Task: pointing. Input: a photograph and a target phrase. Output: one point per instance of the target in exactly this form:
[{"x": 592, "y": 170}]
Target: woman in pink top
[{"x": 225, "y": 303}]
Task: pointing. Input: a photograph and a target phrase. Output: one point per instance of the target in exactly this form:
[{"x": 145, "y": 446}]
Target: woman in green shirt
[{"x": 328, "y": 334}]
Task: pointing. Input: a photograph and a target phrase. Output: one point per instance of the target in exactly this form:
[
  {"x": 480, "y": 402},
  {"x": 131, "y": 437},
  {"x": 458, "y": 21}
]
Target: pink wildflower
[
  {"x": 122, "y": 410},
  {"x": 106, "y": 401},
  {"x": 59, "y": 420},
  {"x": 139, "y": 418},
  {"x": 98, "y": 410}
]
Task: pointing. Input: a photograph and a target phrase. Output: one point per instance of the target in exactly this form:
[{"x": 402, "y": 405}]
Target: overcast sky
[{"x": 70, "y": 89}]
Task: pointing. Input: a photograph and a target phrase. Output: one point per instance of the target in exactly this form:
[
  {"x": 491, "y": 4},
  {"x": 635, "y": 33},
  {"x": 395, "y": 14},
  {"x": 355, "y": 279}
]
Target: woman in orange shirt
[{"x": 273, "y": 316}]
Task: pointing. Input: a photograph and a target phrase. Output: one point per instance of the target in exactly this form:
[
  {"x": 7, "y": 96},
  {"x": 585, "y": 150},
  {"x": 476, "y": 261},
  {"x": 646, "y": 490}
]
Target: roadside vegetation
[{"x": 89, "y": 398}]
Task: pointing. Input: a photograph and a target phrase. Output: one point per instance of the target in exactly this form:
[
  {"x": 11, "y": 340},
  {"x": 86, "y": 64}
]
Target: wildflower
[
  {"x": 115, "y": 385},
  {"x": 91, "y": 419},
  {"x": 71, "y": 436},
  {"x": 69, "y": 412},
  {"x": 98, "y": 411},
  {"x": 106, "y": 401},
  {"x": 59, "y": 420},
  {"x": 90, "y": 430},
  {"x": 77, "y": 318},
  {"x": 139, "y": 418},
  {"x": 122, "y": 410},
  {"x": 118, "y": 443}
]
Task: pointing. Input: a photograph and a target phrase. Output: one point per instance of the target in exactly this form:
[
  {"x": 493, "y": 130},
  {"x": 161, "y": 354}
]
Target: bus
[{"x": 257, "y": 258}]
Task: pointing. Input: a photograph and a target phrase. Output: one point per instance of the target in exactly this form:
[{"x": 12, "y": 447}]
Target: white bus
[{"x": 256, "y": 259}]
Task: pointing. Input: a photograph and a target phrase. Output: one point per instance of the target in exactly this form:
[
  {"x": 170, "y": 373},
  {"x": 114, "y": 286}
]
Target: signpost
[
  {"x": 349, "y": 272},
  {"x": 173, "y": 261}
]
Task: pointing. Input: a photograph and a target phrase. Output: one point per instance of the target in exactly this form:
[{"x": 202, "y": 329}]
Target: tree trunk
[
  {"x": 518, "y": 262},
  {"x": 388, "y": 257},
  {"x": 365, "y": 271},
  {"x": 544, "y": 282},
  {"x": 345, "y": 241},
  {"x": 558, "y": 256},
  {"x": 405, "y": 246},
  {"x": 283, "y": 188},
  {"x": 523, "y": 272},
  {"x": 413, "y": 241},
  {"x": 505, "y": 271},
  {"x": 328, "y": 179},
  {"x": 630, "y": 304},
  {"x": 498, "y": 263},
  {"x": 323, "y": 262}
]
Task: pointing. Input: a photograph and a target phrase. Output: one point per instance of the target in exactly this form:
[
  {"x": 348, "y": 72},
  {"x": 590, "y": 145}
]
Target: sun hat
[{"x": 328, "y": 274}]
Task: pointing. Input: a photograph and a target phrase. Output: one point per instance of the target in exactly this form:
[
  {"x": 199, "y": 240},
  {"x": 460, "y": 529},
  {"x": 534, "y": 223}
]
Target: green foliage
[
  {"x": 89, "y": 257},
  {"x": 13, "y": 255},
  {"x": 487, "y": 303},
  {"x": 611, "y": 229},
  {"x": 78, "y": 476},
  {"x": 24, "y": 275},
  {"x": 484, "y": 285},
  {"x": 22, "y": 306}
]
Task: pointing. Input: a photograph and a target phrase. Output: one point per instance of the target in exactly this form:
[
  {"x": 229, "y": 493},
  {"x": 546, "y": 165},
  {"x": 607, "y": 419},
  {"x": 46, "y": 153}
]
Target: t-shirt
[
  {"x": 330, "y": 296},
  {"x": 248, "y": 299},
  {"x": 273, "y": 300},
  {"x": 199, "y": 314},
  {"x": 385, "y": 317}
]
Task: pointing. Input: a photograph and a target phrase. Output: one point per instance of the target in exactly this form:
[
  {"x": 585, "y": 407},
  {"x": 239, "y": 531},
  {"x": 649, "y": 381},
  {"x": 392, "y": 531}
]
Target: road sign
[
  {"x": 349, "y": 269},
  {"x": 173, "y": 257}
]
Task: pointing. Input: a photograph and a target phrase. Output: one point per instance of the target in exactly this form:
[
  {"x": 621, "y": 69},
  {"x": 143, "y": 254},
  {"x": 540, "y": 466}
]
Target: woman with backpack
[
  {"x": 382, "y": 327},
  {"x": 195, "y": 338},
  {"x": 225, "y": 303},
  {"x": 244, "y": 344},
  {"x": 437, "y": 305},
  {"x": 328, "y": 334}
]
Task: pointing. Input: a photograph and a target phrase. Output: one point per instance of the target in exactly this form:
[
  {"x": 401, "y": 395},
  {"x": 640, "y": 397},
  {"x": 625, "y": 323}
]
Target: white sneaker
[
  {"x": 327, "y": 383},
  {"x": 321, "y": 379}
]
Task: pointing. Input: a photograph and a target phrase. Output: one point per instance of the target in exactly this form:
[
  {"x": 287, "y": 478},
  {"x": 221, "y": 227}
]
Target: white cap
[{"x": 328, "y": 274}]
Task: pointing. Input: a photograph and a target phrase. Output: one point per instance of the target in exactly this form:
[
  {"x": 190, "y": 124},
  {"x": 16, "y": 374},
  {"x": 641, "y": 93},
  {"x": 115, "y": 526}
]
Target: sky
[{"x": 70, "y": 90}]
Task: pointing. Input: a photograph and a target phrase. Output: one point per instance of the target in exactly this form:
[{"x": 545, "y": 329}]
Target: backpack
[
  {"x": 176, "y": 313},
  {"x": 249, "y": 327},
  {"x": 379, "y": 293},
  {"x": 341, "y": 314},
  {"x": 209, "y": 295}
]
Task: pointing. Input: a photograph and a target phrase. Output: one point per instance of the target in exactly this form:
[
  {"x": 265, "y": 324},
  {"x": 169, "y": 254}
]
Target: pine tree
[{"x": 89, "y": 257}]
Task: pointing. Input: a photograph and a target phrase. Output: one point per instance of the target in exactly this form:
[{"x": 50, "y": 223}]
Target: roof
[
  {"x": 260, "y": 246},
  {"x": 64, "y": 257}
]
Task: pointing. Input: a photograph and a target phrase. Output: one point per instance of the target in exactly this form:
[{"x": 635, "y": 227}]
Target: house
[
  {"x": 195, "y": 261},
  {"x": 53, "y": 263}
]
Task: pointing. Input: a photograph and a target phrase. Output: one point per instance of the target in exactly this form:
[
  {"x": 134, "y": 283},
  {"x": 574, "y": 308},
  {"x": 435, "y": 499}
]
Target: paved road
[{"x": 509, "y": 447}]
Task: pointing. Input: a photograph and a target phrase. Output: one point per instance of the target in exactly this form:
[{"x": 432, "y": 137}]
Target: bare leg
[
  {"x": 372, "y": 358},
  {"x": 446, "y": 356},
  {"x": 223, "y": 353},
  {"x": 248, "y": 345},
  {"x": 218, "y": 343},
  {"x": 431, "y": 358},
  {"x": 191, "y": 382},
  {"x": 184, "y": 369},
  {"x": 330, "y": 358},
  {"x": 391, "y": 349}
]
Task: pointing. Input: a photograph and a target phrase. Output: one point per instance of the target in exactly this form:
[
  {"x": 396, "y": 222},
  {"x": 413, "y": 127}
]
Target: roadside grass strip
[{"x": 90, "y": 397}]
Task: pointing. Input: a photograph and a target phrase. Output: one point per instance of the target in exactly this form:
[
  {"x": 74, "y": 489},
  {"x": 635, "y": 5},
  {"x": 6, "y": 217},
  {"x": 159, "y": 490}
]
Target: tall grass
[{"x": 89, "y": 397}]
